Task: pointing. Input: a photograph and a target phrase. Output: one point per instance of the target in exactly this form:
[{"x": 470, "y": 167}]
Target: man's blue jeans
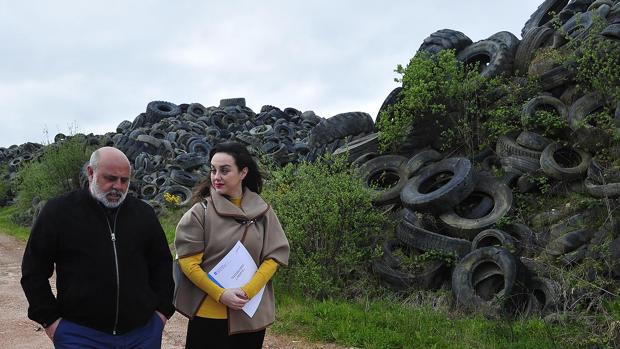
[{"x": 70, "y": 335}]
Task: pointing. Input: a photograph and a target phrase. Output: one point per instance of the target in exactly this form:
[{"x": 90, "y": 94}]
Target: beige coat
[{"x": 215, "y": 232}]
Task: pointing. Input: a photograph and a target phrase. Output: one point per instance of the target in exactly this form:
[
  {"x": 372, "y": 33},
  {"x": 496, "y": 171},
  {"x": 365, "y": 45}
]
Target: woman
[{"x": 227, "y": 208}]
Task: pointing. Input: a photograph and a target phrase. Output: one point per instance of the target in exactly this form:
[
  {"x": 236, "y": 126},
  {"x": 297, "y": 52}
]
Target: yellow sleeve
[
  {"x": 260, "y": 279},
  {"x": 192, "y": 269}
]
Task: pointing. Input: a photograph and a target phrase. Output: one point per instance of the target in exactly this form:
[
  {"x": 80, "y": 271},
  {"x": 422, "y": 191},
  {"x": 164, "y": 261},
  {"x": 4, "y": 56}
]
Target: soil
[{"x": 17, "y": 331}]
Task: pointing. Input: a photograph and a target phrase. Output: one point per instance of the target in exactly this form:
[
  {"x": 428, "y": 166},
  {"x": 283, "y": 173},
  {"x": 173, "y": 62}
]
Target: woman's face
[{"x": 226, "y": 178}]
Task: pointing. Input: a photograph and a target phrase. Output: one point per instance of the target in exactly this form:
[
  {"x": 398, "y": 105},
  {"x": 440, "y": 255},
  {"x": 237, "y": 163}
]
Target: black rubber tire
[
  {"x": 578, "y": 26},
  {"x": 476, "y": 205},
  {"x": 533, "y": 40},
  {"x": 519, "y": 164},
  {"x": 385, "y": 168},
  {"x": 584, "y": 106},
  {"x": 162, "y": 181},
  {"x": 283, "y": 131},
  {"x": 391, "y": 99},
  {"x": 150, "y": 140},
  {"x": 543, "y": 14},
  {"x": 544, "y": 296},
  {"x": 494, "y": 58},
  {"x": 360, "y": 146},
  {"x": 426, "y": 240},
  {"x": 408, "y": 216},
  {"x": 421, "y": 159},
  {"x": 188, "y": 161},
  {"x": 197, "y": 110},
  {"x": 362, "y": 159},
  {"x": 507, "y": 146},
  {"x": 424, "y": 193},
  {"x": 602, "y": 183},
  {"x": 532, "y": 140},
  {"x": 445, "y": 39},
  {"x": 612, "y": 31},
  {"x": 609, "y": 190},
  {"x": 507, "y": 38},
  {"x": 184, "y": 178},
  {"x": 571, "y": 259},
  {"x": 494, "y": 237},
  {"x": 558, "y": 76},
  {"x": 138, "y": 121},
  {"x": 505, "y": 292},
  {"x": 530, "y": 108},
  {"x": 525, "y": 238},
  {"x": 231, "y": 102},
  {"x": 568, "y": 224},
  {"x": 403, "y": 281},
  {"x": 148, "y": 191},
  {"x": 200, "y": 147},
  {"x": 555, "y": 152},
  {"x": 535, "y": 267},
  {"x": 340, "y": 126},
  {"x": 468, "y": 227},
  {"x": 388, "y": 249},
  {"x": 262, "y": 131},
  {"x": 157, "y": 110},
  {"x": 570, "y": 241},
  {"x": 123, "y": 127}
]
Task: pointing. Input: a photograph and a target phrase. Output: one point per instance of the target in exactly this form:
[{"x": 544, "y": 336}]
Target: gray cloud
[{"x": 71, "y": 66}]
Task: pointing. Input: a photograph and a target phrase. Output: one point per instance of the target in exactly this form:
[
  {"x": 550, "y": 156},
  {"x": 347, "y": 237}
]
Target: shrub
[
  {"x": 548, "y": 123},
  {"x": 598, "y": 62},
  {"x": 5, "y": 185},
  {"x": 330, "y": 223},
  {"x": 56, "y": 171},
  {"x": 441, "y": 93}
]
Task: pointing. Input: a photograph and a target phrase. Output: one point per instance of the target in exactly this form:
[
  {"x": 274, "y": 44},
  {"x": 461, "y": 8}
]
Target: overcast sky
[{"x": 85, "y": 66}]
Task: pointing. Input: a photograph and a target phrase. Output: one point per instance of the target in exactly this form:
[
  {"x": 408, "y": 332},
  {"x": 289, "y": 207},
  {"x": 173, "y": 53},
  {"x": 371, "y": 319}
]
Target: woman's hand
[{"x": 234, "y": 298}]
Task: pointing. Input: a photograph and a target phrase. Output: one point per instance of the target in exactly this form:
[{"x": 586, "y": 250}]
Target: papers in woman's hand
[{"x": 235, "y": 270}]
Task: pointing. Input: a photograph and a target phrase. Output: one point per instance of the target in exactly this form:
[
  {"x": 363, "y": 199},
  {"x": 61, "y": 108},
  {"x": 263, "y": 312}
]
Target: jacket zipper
[{"x": 118, "y": 281}]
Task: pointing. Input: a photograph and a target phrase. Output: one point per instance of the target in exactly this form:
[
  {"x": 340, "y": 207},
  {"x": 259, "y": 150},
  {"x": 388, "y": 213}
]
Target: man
[{"x": 113, "y": 265}]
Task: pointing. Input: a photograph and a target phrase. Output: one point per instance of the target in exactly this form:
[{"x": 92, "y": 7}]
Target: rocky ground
[{"x": 17, "y": 331}]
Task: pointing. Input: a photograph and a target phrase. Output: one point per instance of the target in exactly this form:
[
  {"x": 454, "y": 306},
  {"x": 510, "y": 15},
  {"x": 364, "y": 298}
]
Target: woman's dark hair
[{"x": 253, "y": 179}]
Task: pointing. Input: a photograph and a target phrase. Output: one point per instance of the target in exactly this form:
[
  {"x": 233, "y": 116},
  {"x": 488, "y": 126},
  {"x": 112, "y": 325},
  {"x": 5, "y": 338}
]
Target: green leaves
[
  {"x": 331, "y": 225},
  {"x": 56, "y": 171},
  {"x": 467, "y": 110}
]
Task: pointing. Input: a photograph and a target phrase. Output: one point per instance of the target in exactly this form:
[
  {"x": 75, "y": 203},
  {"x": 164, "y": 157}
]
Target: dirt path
[{"x": 17, "y": 331}]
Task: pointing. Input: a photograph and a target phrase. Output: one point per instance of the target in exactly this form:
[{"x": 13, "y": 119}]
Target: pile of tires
[
  {"x": 168, "y": 144},
  {"x": 454, "y": 206}
]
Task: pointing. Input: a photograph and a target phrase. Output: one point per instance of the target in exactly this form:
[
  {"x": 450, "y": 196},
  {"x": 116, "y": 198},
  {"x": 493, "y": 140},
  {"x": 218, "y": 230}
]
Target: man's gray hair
[
  {"x": 94, "y": 160},
  {"x": 96, "y": 155}
]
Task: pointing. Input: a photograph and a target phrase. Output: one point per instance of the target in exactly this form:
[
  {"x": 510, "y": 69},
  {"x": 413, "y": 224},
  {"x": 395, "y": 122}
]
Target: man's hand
[
  {"x": 162, "y": 317},
  {"x": 234, "y": 298},
  {"x": 51, "y": 329}
]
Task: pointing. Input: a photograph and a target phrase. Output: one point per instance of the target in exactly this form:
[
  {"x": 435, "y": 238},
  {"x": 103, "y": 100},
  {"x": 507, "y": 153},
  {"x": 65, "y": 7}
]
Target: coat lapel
[{"x": 252, "y": 206}]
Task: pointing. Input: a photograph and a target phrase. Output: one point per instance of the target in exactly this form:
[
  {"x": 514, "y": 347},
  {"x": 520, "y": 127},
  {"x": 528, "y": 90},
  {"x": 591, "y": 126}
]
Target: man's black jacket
[{"x": 74, "y": 232}]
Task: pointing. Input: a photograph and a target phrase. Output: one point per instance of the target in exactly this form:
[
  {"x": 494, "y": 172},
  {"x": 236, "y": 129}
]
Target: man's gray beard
[{"x": 101, "y": 196}]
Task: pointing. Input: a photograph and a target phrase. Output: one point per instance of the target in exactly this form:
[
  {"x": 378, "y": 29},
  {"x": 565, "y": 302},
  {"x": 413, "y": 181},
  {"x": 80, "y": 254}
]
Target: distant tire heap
[
  {"x": 446, "y": 205},
  {"x": 168, "y": 144},
  {"x": 13, "y": 157}
]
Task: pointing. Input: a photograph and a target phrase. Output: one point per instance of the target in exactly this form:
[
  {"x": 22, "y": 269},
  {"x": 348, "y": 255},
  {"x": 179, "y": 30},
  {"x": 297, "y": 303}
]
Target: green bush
[
  {"x": 5, "y": 184},
  {"x": 472, "y": 111},
  {"x": 548, "y": 123},
  {"x": 597, "y": 61},
  {"x": 331, "y": 226},
  {"x": 56, "y": 171}
]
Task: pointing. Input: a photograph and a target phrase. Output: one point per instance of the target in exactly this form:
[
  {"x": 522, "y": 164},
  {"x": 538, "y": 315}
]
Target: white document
[{"x": 235, "y": 270}]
